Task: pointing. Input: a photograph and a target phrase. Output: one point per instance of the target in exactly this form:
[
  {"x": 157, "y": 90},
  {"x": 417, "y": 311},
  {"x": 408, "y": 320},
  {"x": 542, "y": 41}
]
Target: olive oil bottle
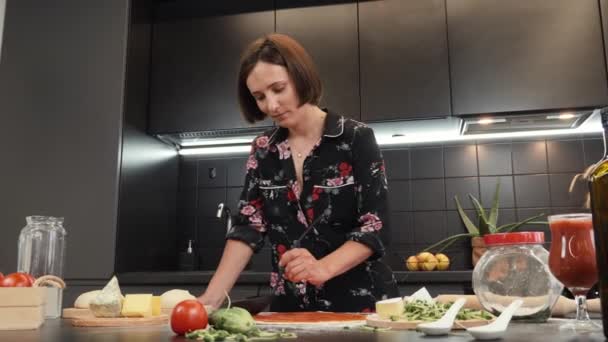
[{"x": 598, "y": 187}]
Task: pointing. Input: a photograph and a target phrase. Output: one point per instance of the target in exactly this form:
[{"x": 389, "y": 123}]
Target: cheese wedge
[
  {"x": 84, "y": 300},
  {"x": 156, "y": 306},
  {"x": 137, "y": 305},
  {"x": 390, "y": 307},
  {"x": 108, "y": 303}
]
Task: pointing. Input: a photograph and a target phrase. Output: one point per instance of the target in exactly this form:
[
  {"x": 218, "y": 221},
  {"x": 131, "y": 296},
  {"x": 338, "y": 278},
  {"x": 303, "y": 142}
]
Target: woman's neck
[{"x": 312, "y": 124}]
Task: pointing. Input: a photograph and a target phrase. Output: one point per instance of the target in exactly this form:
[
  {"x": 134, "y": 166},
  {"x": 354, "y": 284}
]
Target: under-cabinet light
[
  {"x": 218, "y": 141},
  {"x": 215, "y": 150},
  {"x": 389, "y": 136},
  {"x": 487, "y": 121},
  {"x": 562, "y": 116},
  {"x": 448, "y": 136}
]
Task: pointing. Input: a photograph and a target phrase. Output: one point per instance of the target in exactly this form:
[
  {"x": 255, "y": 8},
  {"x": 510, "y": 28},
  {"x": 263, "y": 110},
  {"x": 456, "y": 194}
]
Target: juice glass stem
[{"x": 581, "y": 308}]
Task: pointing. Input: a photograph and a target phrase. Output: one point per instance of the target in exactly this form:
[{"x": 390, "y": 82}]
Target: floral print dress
[{"x": 344, "y": 194}]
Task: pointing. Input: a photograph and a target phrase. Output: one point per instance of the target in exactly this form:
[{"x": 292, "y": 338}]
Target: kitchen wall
[{"x": 534, "y": 175}]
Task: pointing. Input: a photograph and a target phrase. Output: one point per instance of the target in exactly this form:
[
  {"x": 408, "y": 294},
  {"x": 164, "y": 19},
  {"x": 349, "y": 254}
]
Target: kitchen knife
[{"x": 254, "y": 304}]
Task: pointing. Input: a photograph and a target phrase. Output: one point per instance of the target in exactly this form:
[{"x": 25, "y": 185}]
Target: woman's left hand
[{"x": 300, "y": 265}]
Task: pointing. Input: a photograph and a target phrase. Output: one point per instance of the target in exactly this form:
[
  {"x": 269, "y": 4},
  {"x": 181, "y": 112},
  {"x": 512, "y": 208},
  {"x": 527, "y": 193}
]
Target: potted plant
[{"x": 487, "y": 224}]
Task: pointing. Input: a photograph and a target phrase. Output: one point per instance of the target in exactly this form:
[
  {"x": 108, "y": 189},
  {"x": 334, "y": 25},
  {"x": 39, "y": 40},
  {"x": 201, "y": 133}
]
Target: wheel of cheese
[{"x": 83, "y": 301}]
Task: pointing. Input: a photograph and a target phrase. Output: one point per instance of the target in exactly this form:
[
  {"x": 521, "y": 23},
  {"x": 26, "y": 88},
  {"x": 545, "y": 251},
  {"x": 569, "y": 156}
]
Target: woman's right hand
[{"x": 210, "y": 305}]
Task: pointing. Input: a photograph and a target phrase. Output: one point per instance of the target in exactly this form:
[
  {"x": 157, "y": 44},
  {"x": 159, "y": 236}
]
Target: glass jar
[
  {"x": 42, "y": 246},
  {"x": 515, "y": 266}
]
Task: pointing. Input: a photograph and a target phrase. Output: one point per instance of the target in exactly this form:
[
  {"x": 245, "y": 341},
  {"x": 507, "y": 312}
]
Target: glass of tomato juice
[{"x": 572, "y": 261}]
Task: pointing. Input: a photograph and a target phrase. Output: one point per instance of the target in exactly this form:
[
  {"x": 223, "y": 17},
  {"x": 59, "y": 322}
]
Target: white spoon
[
  {"x": 443, "y": 325},
  {"x": 496, "y": 329}
]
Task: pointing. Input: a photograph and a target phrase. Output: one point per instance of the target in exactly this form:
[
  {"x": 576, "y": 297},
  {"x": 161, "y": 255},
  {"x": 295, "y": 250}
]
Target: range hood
[
  {"x": 497, "y": 123},
  {"x": 448, "y": 129}
]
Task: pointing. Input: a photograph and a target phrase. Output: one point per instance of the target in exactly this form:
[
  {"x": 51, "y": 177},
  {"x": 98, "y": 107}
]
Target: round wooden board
[
  {"x": 92, "y": 321},
  {"x": 375, "y": 321},
  {"x": 71, "y": 313}
]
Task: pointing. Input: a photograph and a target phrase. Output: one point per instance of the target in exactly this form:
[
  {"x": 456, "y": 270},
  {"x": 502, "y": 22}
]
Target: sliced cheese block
[
  {"x": 108, "y": 303},
  {"x": 169, "y": 299},
  {"x": 390, "y": 307},
  {"x": 156, "y": 311},
  {"x": 83, "y": 301},
  {"x": 137, "y": 305}
]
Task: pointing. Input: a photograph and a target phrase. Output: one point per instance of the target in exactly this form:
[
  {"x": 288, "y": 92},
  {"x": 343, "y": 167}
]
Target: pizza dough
[{"x": 169, "y": 299}]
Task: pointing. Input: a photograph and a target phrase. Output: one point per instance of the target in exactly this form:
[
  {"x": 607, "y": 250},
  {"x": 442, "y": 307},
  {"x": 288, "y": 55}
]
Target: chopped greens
[
  {"x": 420, "y": 310},
  {"x": 255, "y": 335}
]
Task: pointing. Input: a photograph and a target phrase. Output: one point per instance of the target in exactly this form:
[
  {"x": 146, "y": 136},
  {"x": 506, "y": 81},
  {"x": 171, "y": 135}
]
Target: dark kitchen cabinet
[
  {"x": 195, "y": 64},
  {"x": 404, "y": 59},
  {"x": 604, "y": 13},
  {"x": 525, "y": 55},
  {"x": 328, "y": 31},
  {"x": 62, "y": 78}
]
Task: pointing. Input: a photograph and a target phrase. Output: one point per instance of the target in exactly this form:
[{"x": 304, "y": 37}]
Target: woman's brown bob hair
[{"x": 281, "y": 50}]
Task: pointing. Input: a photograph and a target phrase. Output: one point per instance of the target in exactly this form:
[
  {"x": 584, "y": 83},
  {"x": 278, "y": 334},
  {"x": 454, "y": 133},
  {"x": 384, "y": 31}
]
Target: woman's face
[{"x": 274, "y": 93}]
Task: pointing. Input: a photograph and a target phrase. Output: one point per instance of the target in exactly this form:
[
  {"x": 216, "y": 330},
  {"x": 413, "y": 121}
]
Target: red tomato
[
  {"x": 31, "y": 277},
  {"x": 188, "y": 315},
  {"x": 1, "y": 278},
  {"x": 16, "y": 280}
]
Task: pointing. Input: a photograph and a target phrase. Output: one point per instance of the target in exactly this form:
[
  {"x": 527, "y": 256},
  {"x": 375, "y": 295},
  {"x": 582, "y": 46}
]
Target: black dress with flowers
[{"x": 344, "y": 190}]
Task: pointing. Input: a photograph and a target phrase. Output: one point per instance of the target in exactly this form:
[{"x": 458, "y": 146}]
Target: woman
[{"x": 315, "y": 185}]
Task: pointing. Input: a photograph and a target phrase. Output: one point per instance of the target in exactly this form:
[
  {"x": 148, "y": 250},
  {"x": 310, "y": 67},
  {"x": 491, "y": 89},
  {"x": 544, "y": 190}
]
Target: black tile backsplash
[
  {"x": 211, "y": 173},
  {"x": 529, "y": 157},
  {"x": 428, "y": 194},
  {"x": 233, "y": 195},
  {"x": 534, "y": 177},
  {"x": 565, "y": 156},
  {"x": 461, "y": 187},
  {"x": 399, "y": 198},
  {"x": 460, "y": 161},
  {"x": 429, "y": 226},
  {"x": 235, "y": 171},
  {"x": 397, "y": 163},
  {"x": 594, "y": 150},
  {"x": 401, "y": 231},
  {"x": 560, "y": 194},
  {"x": 494, "y": 159},
  {"x": 487, "y": 188},
  {"x": 187, "y": 174},
  {"x": 208, "y": 200},
  {"x": 426, "y": 162},
  {"x": 532, "y": 190}
]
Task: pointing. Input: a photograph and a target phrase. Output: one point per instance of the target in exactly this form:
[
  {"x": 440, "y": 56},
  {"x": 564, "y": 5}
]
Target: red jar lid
[{"x": 521, "y": 238}]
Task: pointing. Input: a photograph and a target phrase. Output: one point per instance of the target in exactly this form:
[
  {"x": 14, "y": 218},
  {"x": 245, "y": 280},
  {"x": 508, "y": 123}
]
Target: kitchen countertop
[
  {"x": 251, "y": 277},
  {"x": 61, "y": 330}
]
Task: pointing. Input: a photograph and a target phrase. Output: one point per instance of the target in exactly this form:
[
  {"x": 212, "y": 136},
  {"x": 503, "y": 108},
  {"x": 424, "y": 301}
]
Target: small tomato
[
  {"x": 1, "y": 278},
  {"x": 188, "y": 315},
  {"x": 16, "y": 279}
]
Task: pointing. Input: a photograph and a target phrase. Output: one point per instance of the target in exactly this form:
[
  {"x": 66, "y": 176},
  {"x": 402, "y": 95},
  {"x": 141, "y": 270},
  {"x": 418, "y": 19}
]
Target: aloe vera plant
[{"x": 487, "y": 222}]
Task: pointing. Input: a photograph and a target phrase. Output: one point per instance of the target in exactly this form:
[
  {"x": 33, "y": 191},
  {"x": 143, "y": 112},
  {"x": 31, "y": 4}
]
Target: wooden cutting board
[
  {"x": 71, "y": 313},
  {"x": 374, "y": 320},
  {"x": 92, "y": 321}
]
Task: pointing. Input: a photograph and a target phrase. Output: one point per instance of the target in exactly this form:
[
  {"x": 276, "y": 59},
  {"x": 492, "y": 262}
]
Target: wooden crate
[{"x": 22, "y": 308}]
